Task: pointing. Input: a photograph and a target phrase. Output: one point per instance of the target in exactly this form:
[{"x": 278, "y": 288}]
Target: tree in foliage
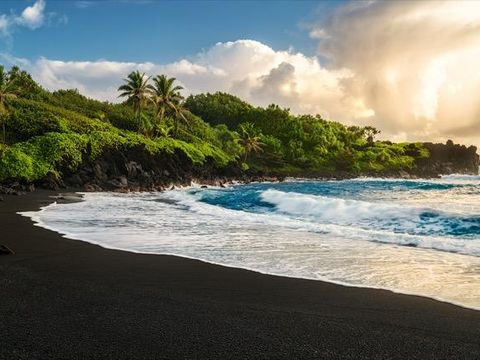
[
  {"x": 7, "y": 93},
  {"x": 366, "y": 132},
  {"x": 25, "y": 86},
  {"x": 220, "y": 108},
  {"x": 249, "y": 140},
  {"x": 165, "y": 95},
  {"x": 167, "y": 99},
  {"x": 370, "y": 133},
  {"x": 137, "y": 90}
]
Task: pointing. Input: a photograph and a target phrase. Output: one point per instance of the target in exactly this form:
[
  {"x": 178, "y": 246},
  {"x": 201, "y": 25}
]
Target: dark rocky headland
[
  {"x": 447, "y": 159},
  {"x": 137, "y": 170}
]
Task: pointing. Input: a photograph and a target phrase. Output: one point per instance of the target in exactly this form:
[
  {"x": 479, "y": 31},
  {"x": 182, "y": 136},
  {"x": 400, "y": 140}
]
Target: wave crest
[{"x": 334, "y": 209}]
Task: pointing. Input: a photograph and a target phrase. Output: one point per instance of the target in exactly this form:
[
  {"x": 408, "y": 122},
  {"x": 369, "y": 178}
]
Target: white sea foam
[
  {"x": 443, "y": 179},
  {"x": 333, "y": 209},
  {"x": 308, "y": 236},
  {"x": 336, "y": 210},
  {"x": 461, "y": 177}
]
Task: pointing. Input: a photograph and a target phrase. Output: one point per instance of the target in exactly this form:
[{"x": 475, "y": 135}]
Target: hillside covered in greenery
[{"x": 53, "y": 134}]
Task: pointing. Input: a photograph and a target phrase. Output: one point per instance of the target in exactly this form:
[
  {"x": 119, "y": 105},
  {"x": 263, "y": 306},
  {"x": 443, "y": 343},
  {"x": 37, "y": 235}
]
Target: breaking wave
[{"x": 412, "y": 236}]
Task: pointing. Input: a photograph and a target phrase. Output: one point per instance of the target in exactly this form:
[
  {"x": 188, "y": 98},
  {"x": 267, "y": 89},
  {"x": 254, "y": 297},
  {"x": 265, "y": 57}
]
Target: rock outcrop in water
[{"x": 446, "y": 159}]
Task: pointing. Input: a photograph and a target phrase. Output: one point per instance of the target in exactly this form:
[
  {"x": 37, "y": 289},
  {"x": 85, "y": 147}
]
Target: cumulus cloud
[
  {"x": 409, "y": 68},
  {"x": 247, "y": 68},
  {"x": 31, "y": 17},
  {"x": 414, "y": 63}
]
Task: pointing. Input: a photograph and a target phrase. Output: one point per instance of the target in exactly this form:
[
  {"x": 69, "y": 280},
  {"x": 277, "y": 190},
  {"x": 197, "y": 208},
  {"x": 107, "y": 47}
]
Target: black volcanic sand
[{"x": 66, "y": 299}]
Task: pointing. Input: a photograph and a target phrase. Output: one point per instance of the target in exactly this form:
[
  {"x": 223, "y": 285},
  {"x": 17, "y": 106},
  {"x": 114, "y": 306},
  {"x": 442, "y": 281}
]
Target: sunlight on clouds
[{"x": 414, "y": 63}]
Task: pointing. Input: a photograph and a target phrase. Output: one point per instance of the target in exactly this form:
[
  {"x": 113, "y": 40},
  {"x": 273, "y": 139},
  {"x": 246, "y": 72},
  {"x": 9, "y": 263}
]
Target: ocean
[{"x": 410, "y": 236}]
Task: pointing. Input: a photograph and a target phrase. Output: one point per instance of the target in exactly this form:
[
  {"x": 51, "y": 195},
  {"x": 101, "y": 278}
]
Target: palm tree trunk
[
  {"x": 162, "y": 114},
  {"x": 245, "y": 157},
  {"x": 175, "y": 130},
  {"x": 159, "y": 119},
  {"x": 3, "y": 119},
  {"x": 137, "y": 110}
]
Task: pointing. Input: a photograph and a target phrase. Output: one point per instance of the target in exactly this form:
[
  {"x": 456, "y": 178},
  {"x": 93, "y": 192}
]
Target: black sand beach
[{"x": 66, "y": 299}]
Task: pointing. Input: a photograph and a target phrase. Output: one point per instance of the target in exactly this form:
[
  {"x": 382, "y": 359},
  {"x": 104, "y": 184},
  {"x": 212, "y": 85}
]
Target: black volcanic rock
[
  {"x": 446, "y": 159},
  {"x": 137, "y": 169},
  {"x": 5, "y": 250}
]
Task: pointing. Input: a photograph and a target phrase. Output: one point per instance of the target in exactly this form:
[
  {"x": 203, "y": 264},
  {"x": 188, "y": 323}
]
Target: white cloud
[
  {"x": 4, "y": 24},
  {"x": 318, "y": 33},
  {"x": 246, "y": 68},
  {"x": 33, "y": 16},
  {"x": 83, "y": 4},
  {"x": 414, "y": 63}
]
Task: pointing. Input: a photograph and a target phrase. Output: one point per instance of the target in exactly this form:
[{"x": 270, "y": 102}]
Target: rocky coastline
[{"x": 136, "y": 170}]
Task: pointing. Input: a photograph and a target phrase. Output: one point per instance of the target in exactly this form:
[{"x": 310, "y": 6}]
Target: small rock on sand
[{"x": 5, "y": 250}]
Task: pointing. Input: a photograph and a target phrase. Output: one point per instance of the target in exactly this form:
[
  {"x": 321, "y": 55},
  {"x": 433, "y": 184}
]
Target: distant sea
[{"x": 410, "y": 236}]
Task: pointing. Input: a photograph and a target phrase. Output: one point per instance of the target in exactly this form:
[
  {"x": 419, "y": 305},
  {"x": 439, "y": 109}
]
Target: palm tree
[
  {"x": 167, "y": 98},
  {"x": 7, "y": 92},
  {"x": 249, "y": 140},
  {"x": 178, "y": 114},
  {"x": 137, "y": 90}
]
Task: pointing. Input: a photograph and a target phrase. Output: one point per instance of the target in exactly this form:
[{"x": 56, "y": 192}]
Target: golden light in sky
[{"x": 414, "y": 63}]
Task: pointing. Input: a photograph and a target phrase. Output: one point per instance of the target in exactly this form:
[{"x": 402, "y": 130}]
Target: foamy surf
[{"x": 382, "y": 233}]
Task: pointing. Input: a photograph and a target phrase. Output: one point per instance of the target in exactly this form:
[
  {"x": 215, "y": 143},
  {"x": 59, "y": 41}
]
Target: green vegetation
[
  {"x": 303, "y": 144},
  {"x": 136, "y": 89},
  {"x": 50, "y": 133},
  {"x": 249, "y": 140},
  {"x": 167, "y": 98},
  {"x": 7, "y": 92}
]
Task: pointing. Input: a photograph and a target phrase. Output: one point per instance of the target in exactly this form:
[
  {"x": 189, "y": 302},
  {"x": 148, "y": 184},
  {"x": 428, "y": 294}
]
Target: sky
[{"x": 410, "y": 68}]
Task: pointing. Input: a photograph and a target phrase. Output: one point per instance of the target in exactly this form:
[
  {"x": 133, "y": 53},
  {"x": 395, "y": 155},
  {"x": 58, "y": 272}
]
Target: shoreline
[
  {"x": 239, "y": 305},
  {"x": 21, "y": 188},
  {"x": 78, "y": 196},
  {"x": 121, "y": 184}
]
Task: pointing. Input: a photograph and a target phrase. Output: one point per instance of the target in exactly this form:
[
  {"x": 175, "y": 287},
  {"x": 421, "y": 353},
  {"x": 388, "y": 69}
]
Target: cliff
[
  {"x": 137, "y": 170},
  {"x": 447, "y": 158}
]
